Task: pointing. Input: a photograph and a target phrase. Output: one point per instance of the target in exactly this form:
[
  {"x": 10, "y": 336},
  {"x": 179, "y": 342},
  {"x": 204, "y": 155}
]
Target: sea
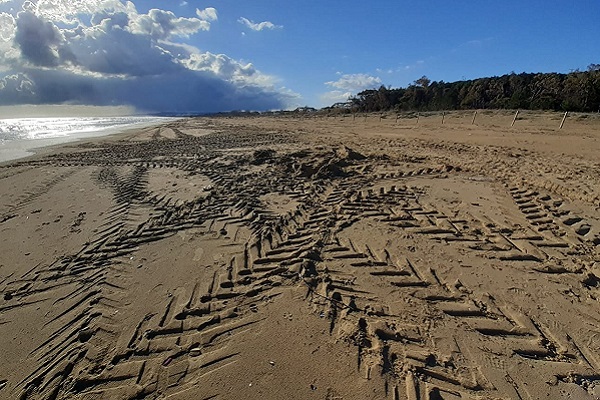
[{"x": 20, "y": 136}]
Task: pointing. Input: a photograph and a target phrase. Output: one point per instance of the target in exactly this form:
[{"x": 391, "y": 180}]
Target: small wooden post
[
  {"x": 380, "y": 117},
  {"x": 443, "y": 116},
  {"x": 474, "y": 116},
  {"x": 353, "y": 116},
  {"x": 397, "y": 116},
  {"x": 418, "y": 115},
  {"x": 563, "y": 120},
  {"x": 515, "y": 118},
  {"x": 365, "y": 117}
]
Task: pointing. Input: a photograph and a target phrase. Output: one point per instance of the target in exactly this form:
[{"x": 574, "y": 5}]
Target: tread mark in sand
[{"x": 175, "y": 347}]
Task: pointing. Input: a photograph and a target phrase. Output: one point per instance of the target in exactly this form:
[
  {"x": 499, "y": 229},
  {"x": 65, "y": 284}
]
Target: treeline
[{"x": 575, "y": 91}]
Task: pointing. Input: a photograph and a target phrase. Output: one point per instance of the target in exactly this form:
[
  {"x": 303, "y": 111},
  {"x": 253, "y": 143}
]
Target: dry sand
[{"x": 306, "y": 258}]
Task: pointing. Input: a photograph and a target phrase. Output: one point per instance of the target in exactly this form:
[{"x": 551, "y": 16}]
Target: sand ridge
[{"x": 313, "y": 257}]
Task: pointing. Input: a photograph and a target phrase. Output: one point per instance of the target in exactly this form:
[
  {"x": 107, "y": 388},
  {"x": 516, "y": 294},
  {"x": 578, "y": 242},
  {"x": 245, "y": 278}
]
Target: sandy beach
[{"x": 307, "y": 257}]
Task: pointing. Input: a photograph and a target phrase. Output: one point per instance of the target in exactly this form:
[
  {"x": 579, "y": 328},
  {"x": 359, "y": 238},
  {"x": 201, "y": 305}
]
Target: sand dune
[{"x": 306, "y": 257}]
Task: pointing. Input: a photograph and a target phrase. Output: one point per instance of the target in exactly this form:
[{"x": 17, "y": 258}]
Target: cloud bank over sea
[{"x": 107, "y": 53}]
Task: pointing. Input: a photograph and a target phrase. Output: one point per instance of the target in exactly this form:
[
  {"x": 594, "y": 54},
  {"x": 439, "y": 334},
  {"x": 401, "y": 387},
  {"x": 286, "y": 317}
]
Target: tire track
[{"x": 413, "y": 323}]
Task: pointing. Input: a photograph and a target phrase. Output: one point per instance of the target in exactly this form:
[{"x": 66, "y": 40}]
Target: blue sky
[{"x": 261, "y": 54}]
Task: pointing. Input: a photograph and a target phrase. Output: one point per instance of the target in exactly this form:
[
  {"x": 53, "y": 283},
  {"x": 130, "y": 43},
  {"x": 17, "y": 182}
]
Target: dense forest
[{"x": 575, "y": 91}]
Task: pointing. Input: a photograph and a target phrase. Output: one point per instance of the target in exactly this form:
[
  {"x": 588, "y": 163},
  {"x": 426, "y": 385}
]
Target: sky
[{"x": 177, "y": 56}]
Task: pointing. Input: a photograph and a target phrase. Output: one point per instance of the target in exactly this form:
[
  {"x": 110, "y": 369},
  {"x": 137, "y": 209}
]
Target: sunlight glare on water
[
  {"x": 19, "y": 137},
  {"x": 45, "y": 128}
]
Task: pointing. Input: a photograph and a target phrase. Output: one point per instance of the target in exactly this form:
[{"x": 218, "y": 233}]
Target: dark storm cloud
[
  {"x": 183, "y": 91},
  {"x": 40, "y": 42},
  {"x": 122, "y": 52},
  {"x": 121, "y": 57}
]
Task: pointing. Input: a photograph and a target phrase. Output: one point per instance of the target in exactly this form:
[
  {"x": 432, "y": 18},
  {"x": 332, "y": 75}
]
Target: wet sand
[{"x": 306, "y": 257}]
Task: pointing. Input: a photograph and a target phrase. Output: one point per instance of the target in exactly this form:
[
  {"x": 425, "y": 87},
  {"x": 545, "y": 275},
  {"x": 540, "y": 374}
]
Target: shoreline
[{"x": 13, "y": 150}]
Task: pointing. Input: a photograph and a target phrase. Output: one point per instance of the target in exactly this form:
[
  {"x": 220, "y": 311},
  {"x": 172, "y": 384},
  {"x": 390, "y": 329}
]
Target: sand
[{"x": 306, "y": 258}]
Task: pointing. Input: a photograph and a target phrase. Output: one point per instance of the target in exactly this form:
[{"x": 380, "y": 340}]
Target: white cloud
[
  {"x": 384, "y": 71},
  {"x": 107, "y": 53},
  {"x": 67, "y": 11},
  {"x": 160, "y": 24},
  {"x": 220, "y": 65},
  {"x": 208, "y": 14},
  {"x": 8, "y": 54},
  {"x": 237, "y": 73},
  {"x": 7, "y": 27},
  {"x": 334, "y": 96},
  {"x": 19, "y": 84},
  {"x": 348, "y": 85},
  {"x": 258, "y": 26},
  {"x": 355, "y": 82}
]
